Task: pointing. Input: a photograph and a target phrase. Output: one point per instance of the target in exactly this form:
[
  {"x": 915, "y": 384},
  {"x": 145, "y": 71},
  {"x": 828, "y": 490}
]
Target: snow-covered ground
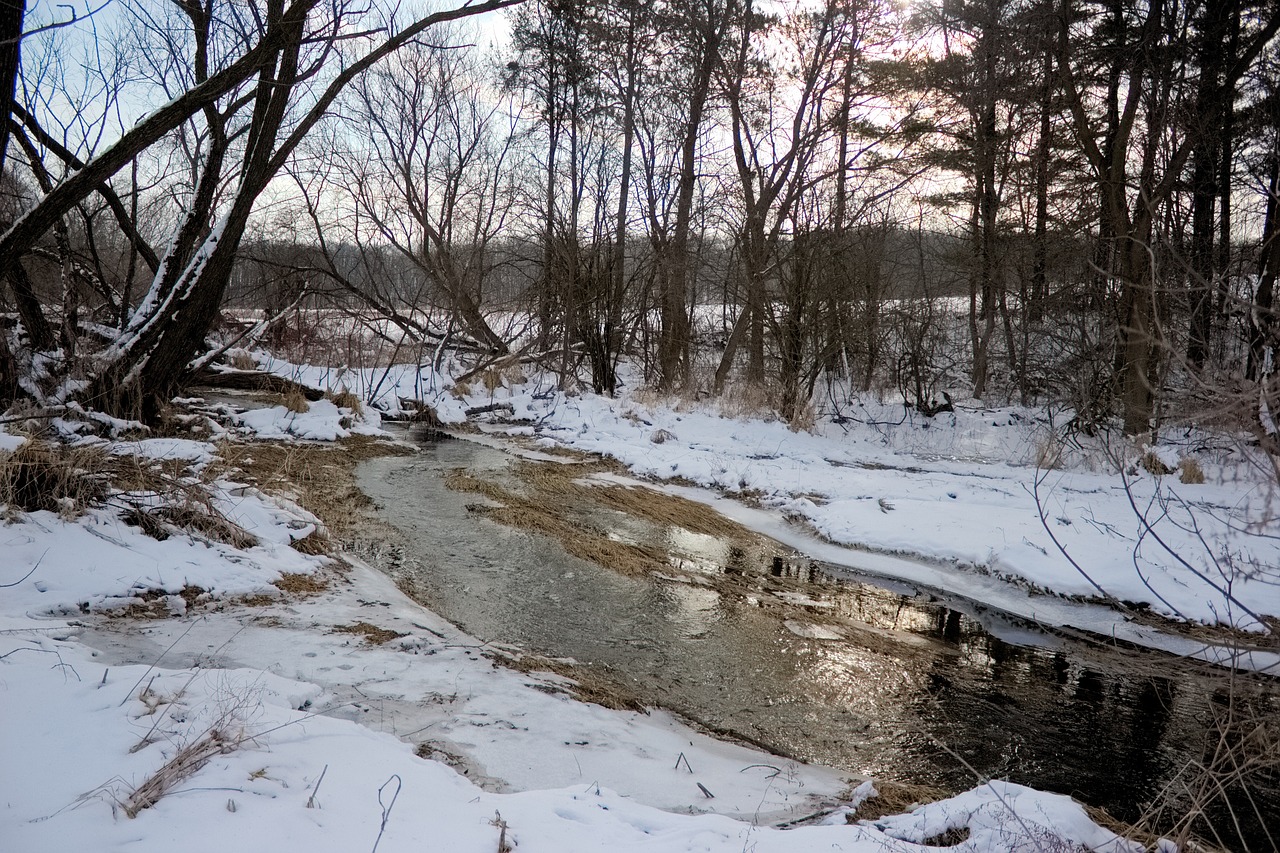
[{"x": 239, "y": 717}]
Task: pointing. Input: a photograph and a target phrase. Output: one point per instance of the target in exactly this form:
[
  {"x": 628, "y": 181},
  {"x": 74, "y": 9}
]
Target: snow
[
  {"x": 323, "y": 421},
  {"x": 309, "y": 732},
  {"x": 961, "y": 496}
]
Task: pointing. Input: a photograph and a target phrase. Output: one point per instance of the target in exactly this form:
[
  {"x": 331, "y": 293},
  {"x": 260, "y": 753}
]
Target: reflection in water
[{"x": 739, "y": 636}]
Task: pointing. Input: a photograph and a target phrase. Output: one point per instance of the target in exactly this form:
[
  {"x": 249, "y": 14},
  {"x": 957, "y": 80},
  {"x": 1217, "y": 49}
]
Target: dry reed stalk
[{"x": 185, "y": 762}]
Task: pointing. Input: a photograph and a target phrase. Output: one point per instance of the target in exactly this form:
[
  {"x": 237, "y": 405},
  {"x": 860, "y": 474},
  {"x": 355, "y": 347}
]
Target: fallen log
[
  {"x": 253, "y": 380},
  {"x": 493, "y": 407}
]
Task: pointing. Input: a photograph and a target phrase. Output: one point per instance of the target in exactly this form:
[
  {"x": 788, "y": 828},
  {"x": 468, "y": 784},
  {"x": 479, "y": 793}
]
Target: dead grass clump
[
  {"x": 185, "y": 763},
  {"x": 551, "y": 486},
  {"x": 65, "y": 480},
  {"x": 241, "y": 360},
  {"x": 586, "y": 686},
  {"x": 314, "y": 544},
  {"x": 147, "y": 521},
  {"x": 950, "y": 838},
  {"x": 747, "y": 401},
  {"x": 666, "y": 509},
  {"x": 491, "y": 379},
  {"x": 319, "y": 477},
  {"x": 372, "y": 633},
  {"x": 423, "y": 415},
  {"x": 300, "y": 584},
  {"x": 582, "y": 542},
  {"x": 895, "y": 798},
  {"x": 460, "y": 480},
  {"x": 805, "y": 418},
  {"x": 1153, "y": 464},
  {"x": 661, "y": 436},
  {"x": 154, "y": 603},
  {"x": 295, "y": 401},
  {"x": 1190, "y": 471},
  {"x": 344, "y": 399},
  {"x": 1049, "y": 452},
  {"x": 540, "y": 515},
  {"x": 206, "y": 522}
]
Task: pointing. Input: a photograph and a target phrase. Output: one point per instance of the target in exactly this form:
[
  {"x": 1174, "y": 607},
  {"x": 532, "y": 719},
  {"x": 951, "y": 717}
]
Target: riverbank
[
  {"x": 215, "y": 686},
  {"x": 1004, "y": 502}
]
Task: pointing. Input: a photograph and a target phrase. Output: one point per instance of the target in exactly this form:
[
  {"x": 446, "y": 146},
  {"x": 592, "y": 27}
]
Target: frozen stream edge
[{"x": 1046, "y": 610}]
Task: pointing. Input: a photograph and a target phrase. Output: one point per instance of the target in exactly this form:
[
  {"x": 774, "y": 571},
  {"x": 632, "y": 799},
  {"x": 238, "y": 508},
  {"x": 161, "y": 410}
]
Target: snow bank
[
  {"x": 323, "y": 421},
  {"x": 87, "y": 737}
]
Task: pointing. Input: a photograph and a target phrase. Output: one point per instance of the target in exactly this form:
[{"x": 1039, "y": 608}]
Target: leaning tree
[{"x": 242, "y": 85}]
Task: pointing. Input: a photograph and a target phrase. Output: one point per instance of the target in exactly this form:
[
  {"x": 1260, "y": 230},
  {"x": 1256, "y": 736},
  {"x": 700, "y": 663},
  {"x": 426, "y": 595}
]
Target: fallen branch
[
  {"x": 492, "y": 407},
  {"x": 253, "y": 380}
]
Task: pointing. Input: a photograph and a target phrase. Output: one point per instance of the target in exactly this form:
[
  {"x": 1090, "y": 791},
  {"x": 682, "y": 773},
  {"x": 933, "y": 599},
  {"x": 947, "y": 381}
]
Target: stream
[{"x": 823, "y": 666}]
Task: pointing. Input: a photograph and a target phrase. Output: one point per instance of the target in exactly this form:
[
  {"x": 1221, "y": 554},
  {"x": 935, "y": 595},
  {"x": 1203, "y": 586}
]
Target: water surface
[{"x": 884, "y": 680}]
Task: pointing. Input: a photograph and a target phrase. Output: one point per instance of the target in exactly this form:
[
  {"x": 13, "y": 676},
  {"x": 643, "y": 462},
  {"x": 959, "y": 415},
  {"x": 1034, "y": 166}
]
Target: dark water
[{"x": 897, "y": 683}]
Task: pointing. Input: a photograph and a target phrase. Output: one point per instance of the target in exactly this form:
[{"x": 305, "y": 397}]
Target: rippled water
[{"x": 892, "y": 682}]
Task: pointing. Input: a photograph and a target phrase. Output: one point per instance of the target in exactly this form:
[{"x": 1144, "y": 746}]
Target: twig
[
  {"x": 156, "y": 662},
  {"x": 311, "y": 800},
  {"x": 386, "y": 808},
  {"x": 777, "y": 771},
  {"x": 680, "y": 758},
  {"x": 28, "y": 574}
]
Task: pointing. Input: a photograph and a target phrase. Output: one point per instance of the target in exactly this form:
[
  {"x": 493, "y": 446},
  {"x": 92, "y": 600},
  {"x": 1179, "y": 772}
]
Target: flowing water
[{"x": 743, "y": 635}]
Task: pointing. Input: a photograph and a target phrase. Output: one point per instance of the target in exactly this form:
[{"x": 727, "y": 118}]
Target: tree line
[{"x": 1017, "y": 199}]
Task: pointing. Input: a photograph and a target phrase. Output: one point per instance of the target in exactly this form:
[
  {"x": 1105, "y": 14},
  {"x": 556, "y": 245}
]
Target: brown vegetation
[{"x": 372, "y": 634}]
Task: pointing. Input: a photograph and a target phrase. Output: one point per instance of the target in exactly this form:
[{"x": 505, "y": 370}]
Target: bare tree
[{"x": 254, "y": 82}]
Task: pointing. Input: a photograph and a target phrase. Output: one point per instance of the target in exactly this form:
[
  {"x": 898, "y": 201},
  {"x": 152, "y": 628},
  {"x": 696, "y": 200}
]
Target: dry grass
[
  {"x": 805, "y": 419},
  {"x": 586, "y": 686},
  {"x": 320, "y": 478},
  {"x": 299, "y": 584},
  {"x": 461, "y": 480},
  {"x": 896, "y": 798},
  {"x": 491, "y": 379},
  {"x": 344, "y": 399},
  {"x": 372, "y": 634},
  {"x": 547, "y": 491},
  {"x": 295, "y": 401},
  {"x": 1190, "y": 472},
  {"x": 548, "y": 481},
  {"x": 39, "y": 476},
  {"x": 747, "y": 401},
  {"x": 661, "y": 508},
  {"x": 315, "y": 543},
  {"x": 1049, "y": 452},
  {"x": 201, "y": 519},
  {"x": 661, "y": 436},
  {"x": 241, "y": 360},
  {"x": 1153, "y": 464},
  {"x": 185, "y": 763},
  {"x": 542, "y": 511}
]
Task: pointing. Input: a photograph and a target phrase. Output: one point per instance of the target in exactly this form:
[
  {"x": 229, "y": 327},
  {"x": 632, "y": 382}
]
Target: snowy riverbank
[{"x": 236, "y": 715}]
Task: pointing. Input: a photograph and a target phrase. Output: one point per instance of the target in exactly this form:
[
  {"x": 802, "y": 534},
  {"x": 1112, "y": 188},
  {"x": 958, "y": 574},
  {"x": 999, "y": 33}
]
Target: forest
[{"x": 1057, "y": 203}]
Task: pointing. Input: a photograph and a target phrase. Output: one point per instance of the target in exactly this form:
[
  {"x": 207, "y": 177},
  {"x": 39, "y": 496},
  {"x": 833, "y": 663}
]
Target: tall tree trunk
[
  {"x": 1033, "y": 303},
  {"x": 1205, "y": 170},
  {"x": 1262, "y": 317},
  {"x": 982, "y": 327},
  {"x": 611, "y": 334},
  {"x": 11, "y": 15},
  {"x": 673, "y": 345}
]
